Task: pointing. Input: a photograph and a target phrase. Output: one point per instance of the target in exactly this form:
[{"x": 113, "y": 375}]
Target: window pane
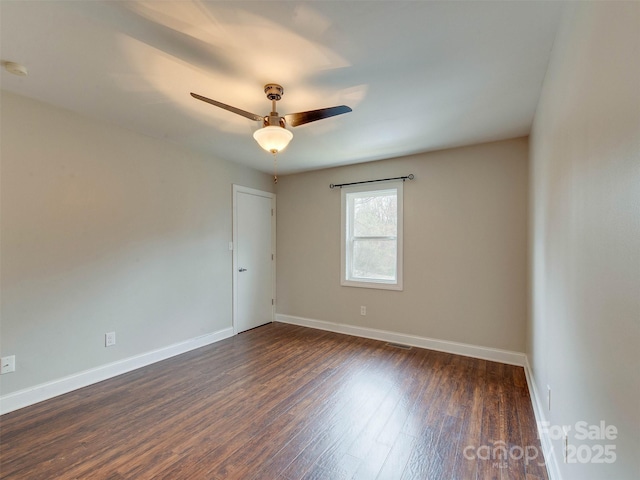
[
  {"x": 375, "y": 215},
  {"x": 374, "y": 259}
]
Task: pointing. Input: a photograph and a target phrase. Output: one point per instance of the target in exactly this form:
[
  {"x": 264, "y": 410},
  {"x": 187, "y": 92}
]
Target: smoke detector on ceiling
[{"x": 15, "y": 68}]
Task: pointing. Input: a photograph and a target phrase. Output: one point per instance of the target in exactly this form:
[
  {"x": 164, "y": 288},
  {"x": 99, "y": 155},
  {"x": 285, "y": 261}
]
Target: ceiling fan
[{"x": 273, "y": 136}]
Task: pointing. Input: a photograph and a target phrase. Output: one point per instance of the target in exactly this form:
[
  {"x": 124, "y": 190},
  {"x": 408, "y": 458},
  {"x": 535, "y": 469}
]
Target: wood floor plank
[
  {"x": 281, "y": 402},
  {"x": 416, "y": 377},
  {"x": 534, "y": 458},
  {"x": 398, "y": 457},
  {"x": 444, "y": 455},
  {"x": 359, "y": 401},
  {"x": 490, "y": 459},
  {"x": 514, "y": 469},
  {"x": 372, "y": 463}
]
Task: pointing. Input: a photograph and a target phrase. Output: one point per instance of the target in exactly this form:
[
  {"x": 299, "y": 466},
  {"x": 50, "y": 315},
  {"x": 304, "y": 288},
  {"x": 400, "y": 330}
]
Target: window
[{"x": 372, "y": 236}]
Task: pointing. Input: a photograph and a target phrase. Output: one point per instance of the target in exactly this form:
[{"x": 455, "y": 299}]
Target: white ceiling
[{"x": 419, "y": 75}]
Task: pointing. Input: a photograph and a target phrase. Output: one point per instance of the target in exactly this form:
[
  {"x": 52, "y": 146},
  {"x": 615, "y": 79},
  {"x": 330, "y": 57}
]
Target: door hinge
[
  {"x": 272, "y": 212},
  {"x": 273, "y": 302},
  {"x": 272, "y": 256}
]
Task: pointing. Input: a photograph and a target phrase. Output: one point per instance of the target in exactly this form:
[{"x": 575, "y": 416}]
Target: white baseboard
[
  {"x": 551, "y": 461},
  {"x": 484, "y": 353},
  {"x": 29, "y": 396}
]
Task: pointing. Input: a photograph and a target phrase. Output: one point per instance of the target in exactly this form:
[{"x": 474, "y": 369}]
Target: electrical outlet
[
  {"x": 363, "y": 310},
  {"x": 8, "y": 364},
  {"x": 109, "y": 339}
]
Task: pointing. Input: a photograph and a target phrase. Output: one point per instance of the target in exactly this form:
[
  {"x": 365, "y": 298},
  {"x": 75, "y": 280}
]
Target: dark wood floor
[{"x": 284, "y": 402}]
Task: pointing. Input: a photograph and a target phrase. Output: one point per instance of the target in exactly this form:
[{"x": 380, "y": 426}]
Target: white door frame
[{"x": 252, "y": 191}]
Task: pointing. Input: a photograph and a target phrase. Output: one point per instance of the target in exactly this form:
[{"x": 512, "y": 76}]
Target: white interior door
[{"x": 254, "y": 258}]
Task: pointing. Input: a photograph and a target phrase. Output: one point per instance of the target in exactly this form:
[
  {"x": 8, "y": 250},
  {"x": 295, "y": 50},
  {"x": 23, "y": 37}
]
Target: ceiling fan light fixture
[{"x": 272, "y": 138}]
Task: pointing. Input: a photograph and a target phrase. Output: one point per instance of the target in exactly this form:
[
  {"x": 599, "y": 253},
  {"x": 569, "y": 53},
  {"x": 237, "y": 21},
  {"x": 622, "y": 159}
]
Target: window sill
[{"x": 374, "y": 285}]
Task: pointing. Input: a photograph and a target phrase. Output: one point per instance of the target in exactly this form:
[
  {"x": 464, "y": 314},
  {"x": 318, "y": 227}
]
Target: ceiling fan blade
[
  {"x": 249, "y": 115},
  {"x": 295, "y": 119}
]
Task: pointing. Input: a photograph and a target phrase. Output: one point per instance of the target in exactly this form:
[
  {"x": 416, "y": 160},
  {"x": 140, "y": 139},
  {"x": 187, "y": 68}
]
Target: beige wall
[
  {"x": 106, "y": 230},
  {"x": 584, "y": 335},
  {"x": 465, "y": 244}
]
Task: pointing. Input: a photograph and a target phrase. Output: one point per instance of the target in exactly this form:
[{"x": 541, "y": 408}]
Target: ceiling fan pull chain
[{"x": 275, "y": 167}]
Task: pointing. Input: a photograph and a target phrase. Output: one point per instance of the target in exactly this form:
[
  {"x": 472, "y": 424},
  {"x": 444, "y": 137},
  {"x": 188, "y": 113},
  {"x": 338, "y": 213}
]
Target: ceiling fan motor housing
[{"x": 273, "y": 120}]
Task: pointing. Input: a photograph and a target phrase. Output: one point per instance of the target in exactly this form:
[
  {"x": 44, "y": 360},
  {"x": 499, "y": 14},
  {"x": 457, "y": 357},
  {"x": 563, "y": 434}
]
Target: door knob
[{"x": 242, "y": 269}]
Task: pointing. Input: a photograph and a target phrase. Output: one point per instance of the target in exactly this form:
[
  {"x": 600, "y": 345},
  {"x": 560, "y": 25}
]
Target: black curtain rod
[{"x": 409, "y": 177}]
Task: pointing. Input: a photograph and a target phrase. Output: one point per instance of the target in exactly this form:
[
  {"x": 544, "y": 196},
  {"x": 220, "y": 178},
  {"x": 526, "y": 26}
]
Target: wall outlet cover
[
  {"x": 109, "y": 339},
  {"x": 8, "y": 364}
]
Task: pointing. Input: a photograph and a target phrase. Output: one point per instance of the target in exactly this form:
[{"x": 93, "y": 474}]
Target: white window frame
[{"x": 346, "y": 244}]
